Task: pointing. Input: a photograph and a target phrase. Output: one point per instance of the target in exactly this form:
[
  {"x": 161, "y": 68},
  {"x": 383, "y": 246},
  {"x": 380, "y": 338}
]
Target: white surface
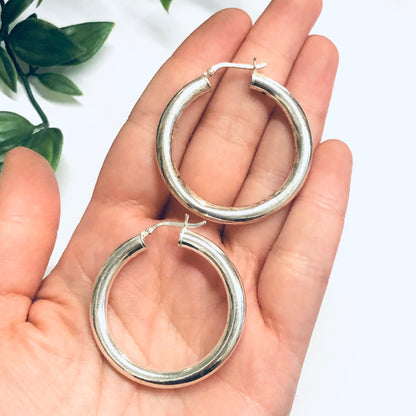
[{"x": 362, "y": 355}]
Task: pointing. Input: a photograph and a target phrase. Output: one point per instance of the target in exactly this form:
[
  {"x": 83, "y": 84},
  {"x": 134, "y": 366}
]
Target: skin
[{"x": 167, "y": 307}]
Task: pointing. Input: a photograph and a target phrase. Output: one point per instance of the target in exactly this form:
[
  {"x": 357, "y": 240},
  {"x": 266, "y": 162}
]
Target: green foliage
[
  {"x": 40, "y": 43},
  {"x": 15, "y": 131},
  {"x": 166, "y": 4},
  {"x": 13, "y": 9},
  {"x": 7, "y": 70},
  {"x": 48, "y": 143},
  {"x": 90, "y": 36},
  {"x": 29, "y": 48},
  {"x": 13, "y": 127},
  {"x": 59, "y": 83}
]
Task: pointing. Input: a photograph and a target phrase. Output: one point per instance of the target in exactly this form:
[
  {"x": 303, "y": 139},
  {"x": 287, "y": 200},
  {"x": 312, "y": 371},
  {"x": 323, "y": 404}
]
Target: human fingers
[
  {"x": 296, "y": 271},
  {"x": 29, "y": 217},
  {"x": 130, "y": 171},
  {"x": 222, "y": 148},
  {"x": 311, "y": 82},
  {"x": 129, "y": 190}
]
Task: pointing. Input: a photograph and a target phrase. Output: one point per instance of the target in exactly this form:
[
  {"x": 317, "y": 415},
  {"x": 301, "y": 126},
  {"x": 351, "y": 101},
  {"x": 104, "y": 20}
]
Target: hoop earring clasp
[
  {"x": 184, "y": 225},
  {"x": 254, "y": 66}
]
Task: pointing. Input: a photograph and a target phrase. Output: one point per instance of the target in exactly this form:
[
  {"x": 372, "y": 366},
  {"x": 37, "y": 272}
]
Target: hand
[{"x": 168, "y": 309}]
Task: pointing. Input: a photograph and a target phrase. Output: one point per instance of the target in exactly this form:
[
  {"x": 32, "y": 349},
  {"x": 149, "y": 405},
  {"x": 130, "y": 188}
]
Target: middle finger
[{"x": 220, "y": 153}]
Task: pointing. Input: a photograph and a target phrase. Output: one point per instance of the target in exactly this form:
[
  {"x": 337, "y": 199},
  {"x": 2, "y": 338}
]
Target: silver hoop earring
[
  {"x": 228, "y": 340},
  {"x": 217, "y": 213}
]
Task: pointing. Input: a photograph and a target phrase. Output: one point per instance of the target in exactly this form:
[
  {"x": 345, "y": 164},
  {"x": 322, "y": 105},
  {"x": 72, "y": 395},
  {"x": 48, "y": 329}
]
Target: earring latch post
[{"x": 254, "y": 66}]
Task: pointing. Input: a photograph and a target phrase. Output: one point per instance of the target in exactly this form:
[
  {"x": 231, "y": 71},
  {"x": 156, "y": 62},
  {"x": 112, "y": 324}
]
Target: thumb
[{"x": 29, "y": 217}]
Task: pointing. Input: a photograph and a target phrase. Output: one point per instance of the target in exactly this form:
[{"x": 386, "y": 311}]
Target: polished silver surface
[
  {"x": 228, "y": 340},
  {"x": 211, "y": 71},
  {"x": 249, "y": 213}
]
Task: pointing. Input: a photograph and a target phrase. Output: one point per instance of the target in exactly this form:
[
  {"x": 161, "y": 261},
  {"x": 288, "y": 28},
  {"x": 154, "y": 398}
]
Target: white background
[{"x": 362, "y": 356}]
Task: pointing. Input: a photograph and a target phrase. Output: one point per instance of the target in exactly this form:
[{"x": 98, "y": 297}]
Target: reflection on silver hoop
[
  {"x": 217, "y": 213},
  {"x": 229, "y": 338}
]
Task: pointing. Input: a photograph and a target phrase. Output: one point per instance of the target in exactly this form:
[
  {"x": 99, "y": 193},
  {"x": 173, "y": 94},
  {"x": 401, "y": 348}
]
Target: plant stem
[
  {"x": 24, "y": 77},
  {"x": 26, "y": 84}
]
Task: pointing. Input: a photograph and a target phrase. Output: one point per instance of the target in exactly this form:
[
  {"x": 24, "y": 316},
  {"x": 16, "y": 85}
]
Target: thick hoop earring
[
  {"x": 228, "y": 340},
  {"x": 217, "y": 213}
]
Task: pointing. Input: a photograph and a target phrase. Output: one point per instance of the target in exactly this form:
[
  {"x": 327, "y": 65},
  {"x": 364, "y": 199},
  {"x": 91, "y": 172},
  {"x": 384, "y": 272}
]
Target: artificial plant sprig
[
  {"x": 31, "y": 49},
  {"x": 166, "y": 4}
]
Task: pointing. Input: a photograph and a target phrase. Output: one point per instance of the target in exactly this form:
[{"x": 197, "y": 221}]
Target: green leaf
[
  {"x": 166, "y": 4},
  {"x": 7, "y": 70},
  {"x": 15, "y": 130},
  {"x": 48, "y": 143},
  {"x": 13, "y": 9},
  {"x": 91, "y": 36},
  {"x": 39, "y": 2},
  {"x": 40, "y": 43},
  {"x": 59, "y": 83}
]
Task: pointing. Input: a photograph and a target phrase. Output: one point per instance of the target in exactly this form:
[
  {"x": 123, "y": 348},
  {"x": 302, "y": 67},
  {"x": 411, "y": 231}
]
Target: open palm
[{"x": 167, "y": 307}]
